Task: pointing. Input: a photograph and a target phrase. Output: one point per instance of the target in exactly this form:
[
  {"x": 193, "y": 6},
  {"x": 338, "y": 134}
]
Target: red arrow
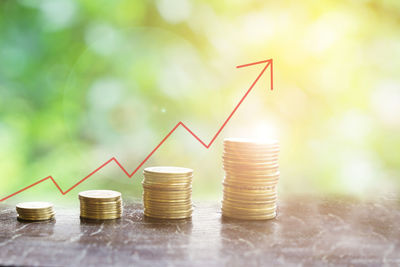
[{"x": 268, "y": 63}]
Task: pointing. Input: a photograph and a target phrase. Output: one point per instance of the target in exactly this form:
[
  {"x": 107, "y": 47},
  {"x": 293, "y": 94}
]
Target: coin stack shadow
[
  {"x": 100, "y": 204},
  {"x": 167, "y": 192},
  {"x": 251, "y": 176},
  {"x": 35, "y": 211}
]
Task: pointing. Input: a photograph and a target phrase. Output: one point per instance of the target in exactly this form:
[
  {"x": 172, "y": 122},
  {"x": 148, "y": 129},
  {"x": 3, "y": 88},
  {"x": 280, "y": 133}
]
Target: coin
[
  {"x": 168, "y": 170},
  {"x": 35, "y": 211},
  {"x": 173, "y": 217},
  {"x": 100, "y": 195},
  {"x": 236, "y": 215},
  {"x": 100, "y": 204},
  {"x": 251, "y": 143},
  {"x": 167, "y": 192},
  {"x": 251, "y": 175}
]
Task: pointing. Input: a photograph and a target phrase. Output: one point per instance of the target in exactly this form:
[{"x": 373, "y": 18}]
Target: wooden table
[{"x": 307, "y": 231}]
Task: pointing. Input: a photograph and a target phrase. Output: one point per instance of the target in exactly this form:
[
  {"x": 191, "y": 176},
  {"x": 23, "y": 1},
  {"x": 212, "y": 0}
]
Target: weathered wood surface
[{"x": 307, "y": 231}]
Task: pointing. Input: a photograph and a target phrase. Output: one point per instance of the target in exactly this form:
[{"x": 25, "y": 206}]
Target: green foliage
[{"x": 83, "y": 81}]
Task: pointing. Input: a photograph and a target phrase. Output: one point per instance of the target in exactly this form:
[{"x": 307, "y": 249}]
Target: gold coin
[
  {"x": 167, "y": 176},
  {"x": 249, "y": 168},
  {"x": 174, "y": 195},
  {"x": 250, "y": 212},
  {"x": 250, "y": 194},
  {"x": 173, "y": 217},
  {"x": 251, "y": 142},
  {"x": 166, "y": 197},
  {"x": 35, "y": 211},
  {"x": 253, "y": 177},
  {"x": 231, "y": 191},
  {"x": 252, "y": 173},
  {"x": 101, "y": 217},
  {"x": 247, "y": 212},
  {"x": 167, "y": 194},
  {"x": 99, "y": 195},
  {"x": 266, "y": 177},
  {"x": 250, "y": 190},
  {"x": 251, "y": 156},
  {"x": 249, "y": 164},
  {"x": 252, "y": 205},
  {"x": 176, "y": 203},
  {"x": 249, "y": 197},
  {"x": 168, "y": 204},
  {"x": 237, "y": 147},
  {"x": 166, "y": 200},
  {"x": 249, "y": 208},
  {"x": 34, "y": 205},
  {"x": 167, "y": 188},
  {"x": 249, "y": 200},
  {"x": 26, "y": 218},
  {"x": 167, "y": 184},
  {"x": 263, "y": 157},
  {"x": 100, "y": 204},
  {"x": 168, "y": 170},
  {"x": 168, "y": 210},
  {"x": 239, "y": 182},
  {"x": 247, "y": 171},
  {"x": 91, "y": 210},
  {"x": 250, "y": 187},
  {"x": 249, "y": 217},
  {"x": 100, "y": 207},
  {"x": 250, "y": 159},
  {"x": 92, "y": 213},
  {"x": 250, "y": 147},
  {"x": 244, "y": 199},
  {"x": 172, "y": 180},
  {"x": 36, "y": 215}
]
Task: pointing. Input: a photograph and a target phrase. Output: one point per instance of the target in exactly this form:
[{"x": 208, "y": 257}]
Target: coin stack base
[
  {"x": 251, "y": 177},
  {"x": 35, "y": 211},
  {"x": 167, "y": 192},
  {"x": 100, "y": 204}
]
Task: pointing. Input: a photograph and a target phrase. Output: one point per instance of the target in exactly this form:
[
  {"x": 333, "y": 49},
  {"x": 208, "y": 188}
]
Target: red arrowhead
[{"x": 269, "y": 62}]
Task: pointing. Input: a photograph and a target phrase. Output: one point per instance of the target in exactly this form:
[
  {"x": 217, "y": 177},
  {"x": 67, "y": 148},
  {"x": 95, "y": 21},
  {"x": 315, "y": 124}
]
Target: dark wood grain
[{"x": 307, "y": 231}]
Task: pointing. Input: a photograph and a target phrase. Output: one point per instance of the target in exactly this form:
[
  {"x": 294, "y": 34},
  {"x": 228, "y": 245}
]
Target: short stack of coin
[
  {"x": 167, "y": 192},
  {"x": 251, "y": 176},
  {"x": 35, "y": 211},
  {"x": 100, "y": 204}
]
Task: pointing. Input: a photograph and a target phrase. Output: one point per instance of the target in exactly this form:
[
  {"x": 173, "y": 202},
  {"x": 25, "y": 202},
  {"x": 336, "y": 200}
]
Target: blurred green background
[{"x": 83, "y": 81}]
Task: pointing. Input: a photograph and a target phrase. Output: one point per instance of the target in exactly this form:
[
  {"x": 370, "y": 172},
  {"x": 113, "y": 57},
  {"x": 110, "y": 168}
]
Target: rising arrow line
[{"x": 269, "y": 63}]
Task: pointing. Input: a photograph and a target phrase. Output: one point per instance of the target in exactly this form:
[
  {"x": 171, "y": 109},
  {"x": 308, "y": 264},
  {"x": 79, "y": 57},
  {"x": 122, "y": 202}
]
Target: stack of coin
[
  {"x": 251, "y": 177},
  {"x": 100, "y": 204},
  {"x": 167, "y": 192},
  {"x": 35, "y": 211}
]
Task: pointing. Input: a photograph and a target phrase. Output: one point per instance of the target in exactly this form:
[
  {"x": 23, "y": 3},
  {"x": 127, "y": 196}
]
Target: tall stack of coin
[
  {"x": 167, "y": 192},
  {"x": 251, "y": 176},
  {"x": 35, "y": 211},
  {"x": 100, "y": 204}
]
